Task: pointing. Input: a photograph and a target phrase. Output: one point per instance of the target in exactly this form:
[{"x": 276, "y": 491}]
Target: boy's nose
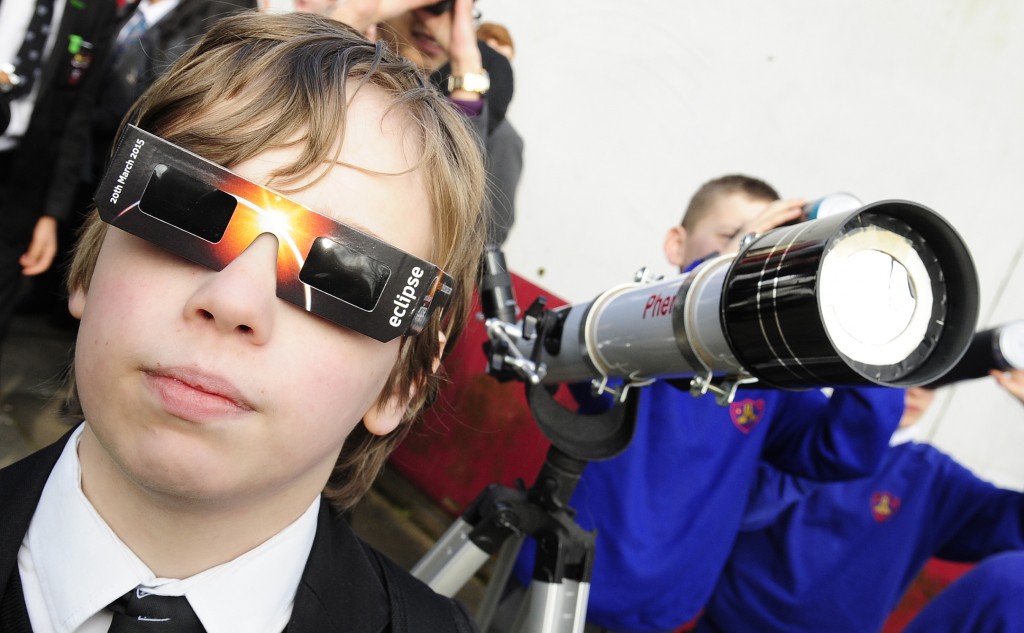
[{"x": 241, "y": 298}]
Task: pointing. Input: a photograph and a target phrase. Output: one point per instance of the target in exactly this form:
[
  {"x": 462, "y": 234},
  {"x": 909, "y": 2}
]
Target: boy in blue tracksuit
[
  {"x": 838, "y": 556},
  {"x": 668, "y": 508}
]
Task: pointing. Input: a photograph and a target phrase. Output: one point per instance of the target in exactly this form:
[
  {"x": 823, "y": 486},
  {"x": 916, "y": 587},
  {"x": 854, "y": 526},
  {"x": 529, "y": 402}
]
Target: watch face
[
  {"x": 470, "y": 82},
  {"x": 476, "y": 83}
]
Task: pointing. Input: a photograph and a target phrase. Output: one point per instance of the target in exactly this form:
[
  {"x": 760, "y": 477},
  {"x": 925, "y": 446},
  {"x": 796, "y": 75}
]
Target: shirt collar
[
  {"x": 69, "y": 541},
  {"x": 155, "y": 11},
  {"x": 904, "y": 435}
]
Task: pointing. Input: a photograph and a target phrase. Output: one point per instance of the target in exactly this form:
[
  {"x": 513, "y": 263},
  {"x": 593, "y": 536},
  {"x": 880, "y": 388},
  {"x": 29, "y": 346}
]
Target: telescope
[
  {"x": 1000, "y": 348},
  {"x": 883, "y": 294},
  {"x": 886, "y": 294}
]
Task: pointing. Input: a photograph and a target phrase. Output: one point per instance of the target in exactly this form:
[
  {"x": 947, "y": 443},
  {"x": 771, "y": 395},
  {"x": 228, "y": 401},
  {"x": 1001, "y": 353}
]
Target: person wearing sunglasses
[
  {"x": 287, "y": 234},
  {"x": 440, "y": 37}
]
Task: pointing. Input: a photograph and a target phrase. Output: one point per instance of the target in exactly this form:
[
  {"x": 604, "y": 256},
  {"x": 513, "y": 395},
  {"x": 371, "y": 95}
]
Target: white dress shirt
[
  {"x": 72, "y": 566},
  {"x": 153, "y": 12}
]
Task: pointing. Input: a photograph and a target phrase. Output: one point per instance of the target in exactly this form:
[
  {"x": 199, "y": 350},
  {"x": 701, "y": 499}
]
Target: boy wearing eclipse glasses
[{"x": 287, "y": 234}]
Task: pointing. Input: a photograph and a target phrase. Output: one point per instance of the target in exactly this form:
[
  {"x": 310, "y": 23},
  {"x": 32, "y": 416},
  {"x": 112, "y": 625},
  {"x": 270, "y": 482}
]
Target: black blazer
[
  {"x": 50, "y": 155},
  {"x": 346, "y": 587},
  {"x": 123, "y": 80}
]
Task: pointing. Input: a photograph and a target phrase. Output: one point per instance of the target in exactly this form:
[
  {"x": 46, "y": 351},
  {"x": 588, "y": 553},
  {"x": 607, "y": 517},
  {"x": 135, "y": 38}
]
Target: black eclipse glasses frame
[{"x": 204, "y": 213}]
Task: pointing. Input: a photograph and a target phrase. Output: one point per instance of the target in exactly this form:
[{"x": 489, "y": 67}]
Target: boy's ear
[
  {"x": 381, "y": 419},
  {"x": 675, "y": 245},
  {"x": 76, "y": 303},
  {"x": 442, "y": 340}
]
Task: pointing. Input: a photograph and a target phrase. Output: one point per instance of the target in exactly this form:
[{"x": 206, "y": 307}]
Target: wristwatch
[{"x": 479, "y": 82}]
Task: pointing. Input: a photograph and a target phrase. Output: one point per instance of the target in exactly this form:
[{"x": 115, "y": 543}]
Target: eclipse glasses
[{"x": 204, "y": 213}]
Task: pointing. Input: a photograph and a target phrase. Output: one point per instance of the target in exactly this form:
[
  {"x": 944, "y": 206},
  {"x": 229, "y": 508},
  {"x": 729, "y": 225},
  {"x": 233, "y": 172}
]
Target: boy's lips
[{"x": 196, "y": 396}]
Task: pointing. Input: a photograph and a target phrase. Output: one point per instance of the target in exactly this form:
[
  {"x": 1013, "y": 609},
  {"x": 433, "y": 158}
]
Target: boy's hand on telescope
[
  {"x": 775, "y": 214},
  {"x": 1012, "y": 381}
]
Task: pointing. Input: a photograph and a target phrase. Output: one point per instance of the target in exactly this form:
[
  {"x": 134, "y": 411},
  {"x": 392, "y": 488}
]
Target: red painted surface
[
  {"x": 479, "y": 431},
  {"x": 935, "y": 576}
]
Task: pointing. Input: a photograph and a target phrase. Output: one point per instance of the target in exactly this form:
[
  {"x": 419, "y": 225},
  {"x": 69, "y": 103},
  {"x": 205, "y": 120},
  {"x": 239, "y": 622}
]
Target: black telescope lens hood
[{"x": 784, "y": 296}]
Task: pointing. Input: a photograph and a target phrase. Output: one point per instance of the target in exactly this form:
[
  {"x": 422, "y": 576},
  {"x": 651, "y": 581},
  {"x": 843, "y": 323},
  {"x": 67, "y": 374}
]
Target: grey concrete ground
[
  {"x": 394, "y": 517},
  {"x": 33, "y": 360}
]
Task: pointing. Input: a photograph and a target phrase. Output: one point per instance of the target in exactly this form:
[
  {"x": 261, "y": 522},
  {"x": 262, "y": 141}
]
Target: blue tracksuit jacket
[
  {"x": 837, "y": 557},
  {"x": 668, "y": 508}
]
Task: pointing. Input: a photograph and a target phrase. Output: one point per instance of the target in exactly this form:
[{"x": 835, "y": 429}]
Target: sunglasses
[
  {"x": 445, "y": 6},
  {"x": 440, "y": 7},
  {"x": 204, "y": 213}
]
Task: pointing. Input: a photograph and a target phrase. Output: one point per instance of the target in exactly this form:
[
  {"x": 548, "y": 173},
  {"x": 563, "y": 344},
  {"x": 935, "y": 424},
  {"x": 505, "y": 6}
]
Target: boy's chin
[
  {"x": 187, "y": 479},
  {"x": 181, "y": 471},
  {"x": 195, "y": 476}
]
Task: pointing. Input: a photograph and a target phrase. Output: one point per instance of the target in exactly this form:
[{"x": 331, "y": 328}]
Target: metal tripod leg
[
  {"x": 554, "y": 607},
  {"x": 498, "y": 581},
  {"x": 499, "y": 520},
  {"x": 452, "y": 561}
]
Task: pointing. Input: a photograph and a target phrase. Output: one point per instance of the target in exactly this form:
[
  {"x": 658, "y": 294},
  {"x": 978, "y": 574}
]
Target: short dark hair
[{"x": 712, "y": 190}]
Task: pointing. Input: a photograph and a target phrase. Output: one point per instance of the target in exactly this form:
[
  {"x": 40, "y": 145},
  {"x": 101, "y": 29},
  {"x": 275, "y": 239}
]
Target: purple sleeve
[{"x": 469, "y": 108}]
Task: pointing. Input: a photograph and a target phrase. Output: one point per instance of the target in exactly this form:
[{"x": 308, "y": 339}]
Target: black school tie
[
  {"x": 140, "y": 612},
  {"x": 29, "y": 61}
]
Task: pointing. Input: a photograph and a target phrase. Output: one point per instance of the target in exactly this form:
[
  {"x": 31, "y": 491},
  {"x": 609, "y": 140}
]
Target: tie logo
[
  {"x": 142, "y": 610},
  {"x": 746, "y": 413},
  {"x": 884, "y": 505}
]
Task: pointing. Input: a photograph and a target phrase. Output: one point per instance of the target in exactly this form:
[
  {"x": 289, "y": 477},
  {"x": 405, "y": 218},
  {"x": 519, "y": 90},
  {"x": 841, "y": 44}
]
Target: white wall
[{"x": 627, "y": 107}]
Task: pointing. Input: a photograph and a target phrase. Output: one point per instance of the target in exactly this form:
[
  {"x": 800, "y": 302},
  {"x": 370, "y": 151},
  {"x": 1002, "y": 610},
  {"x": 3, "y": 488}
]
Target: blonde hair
[{"x": 260, "y": 81}]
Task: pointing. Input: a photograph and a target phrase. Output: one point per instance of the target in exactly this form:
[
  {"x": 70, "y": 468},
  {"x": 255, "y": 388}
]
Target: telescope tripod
[{"x": 501, "y": 518}]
